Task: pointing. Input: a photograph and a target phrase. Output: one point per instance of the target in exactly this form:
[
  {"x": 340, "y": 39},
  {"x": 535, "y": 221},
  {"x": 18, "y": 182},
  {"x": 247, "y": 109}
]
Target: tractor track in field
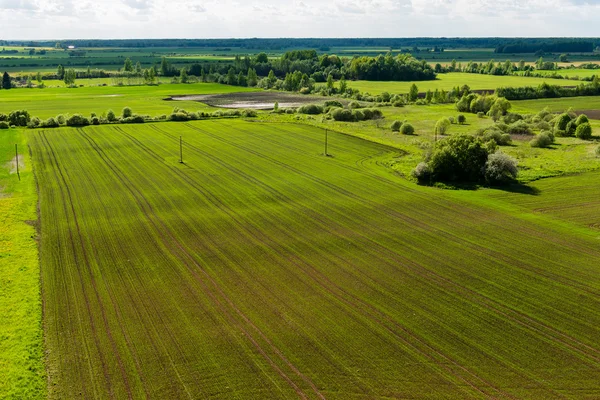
[
  {"x": 183, "y": 251},
  {"x": 451, "y": 237},
  {"x": 258, "y": 182},
  {"x": 69, "y": 201},
  {"x": 503, "y": 313},
  {"x": 408, "y": 261},
  {"x": 256, "y": 233},
  {"x": 182, "y": 254},
  {"x": 63, "y": 281}
]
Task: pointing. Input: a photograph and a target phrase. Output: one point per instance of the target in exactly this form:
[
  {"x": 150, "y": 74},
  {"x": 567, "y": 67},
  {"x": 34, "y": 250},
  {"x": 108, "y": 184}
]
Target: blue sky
[{"x": 70, "y": 19}]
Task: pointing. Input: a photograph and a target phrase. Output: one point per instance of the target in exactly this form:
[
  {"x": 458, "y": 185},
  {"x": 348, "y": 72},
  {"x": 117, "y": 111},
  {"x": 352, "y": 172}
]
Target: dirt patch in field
[
  {"x": 12, "y": 164},
  {"x": 254, "y": 100},
  {"x": 592, "y": 114}
]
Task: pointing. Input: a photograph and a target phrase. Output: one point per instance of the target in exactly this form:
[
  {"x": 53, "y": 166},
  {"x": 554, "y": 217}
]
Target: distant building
[{"x": 71, "y": 47}]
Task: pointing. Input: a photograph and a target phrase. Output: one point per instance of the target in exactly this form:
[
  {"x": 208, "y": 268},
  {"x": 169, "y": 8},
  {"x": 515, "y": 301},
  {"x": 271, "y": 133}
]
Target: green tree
[
  {"x": 241, "y": 79},
  {"x": 271, "y": 78},
  {"x": 183, "y": 76},
  {"x": 522, "y": 65},
  {"x": 128, "y": 66},
  {"x": 343, "y": 85},
  {"x": 442, "y": 126},
  {"x": 70, "y": 76},
  {"x": 252, "y": 78},
  {"x": 60, "y": 72},
  {"x": 231, "y": 78},
  {"x": 127, "y": 112},
  {"x": 165, "y": 67},
  {"x": 138, "y": 68},
  {"x": 330, "y": 83},
  {"x": 6, "y": 83},
  {"x": 413, "y": 93},
  {"x": 429, "y": 96},
  {"x": 563, "y": 58},
  {"x": 262, "y": 58},
  {"x": 458, "y": 158}
]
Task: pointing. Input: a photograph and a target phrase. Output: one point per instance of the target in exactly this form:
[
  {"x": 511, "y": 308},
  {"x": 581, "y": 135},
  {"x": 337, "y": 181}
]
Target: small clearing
[
  {"x": 254, "y": 100},
  {"x": 12, "y": 164}
]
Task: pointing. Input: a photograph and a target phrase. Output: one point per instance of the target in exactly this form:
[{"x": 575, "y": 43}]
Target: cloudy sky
[{"x": 70, "y": 19}]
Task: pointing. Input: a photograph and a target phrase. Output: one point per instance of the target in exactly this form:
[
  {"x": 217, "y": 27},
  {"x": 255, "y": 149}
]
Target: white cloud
[{"x": 55, "y": 19}]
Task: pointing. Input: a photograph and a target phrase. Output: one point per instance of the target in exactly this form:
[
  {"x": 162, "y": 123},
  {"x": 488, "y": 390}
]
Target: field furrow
[{"x": 261, "y": 269}]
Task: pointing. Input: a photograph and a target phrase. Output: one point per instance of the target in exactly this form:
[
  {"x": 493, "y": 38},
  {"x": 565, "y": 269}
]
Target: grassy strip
[{"x": 21, "y": 354}]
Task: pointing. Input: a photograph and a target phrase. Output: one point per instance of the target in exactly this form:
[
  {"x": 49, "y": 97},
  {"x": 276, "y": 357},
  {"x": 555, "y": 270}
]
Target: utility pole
[
  {"x": 17, "y": 159},
  {"x": 326, "y": 143},
  {"x": 180, "y": 150}
]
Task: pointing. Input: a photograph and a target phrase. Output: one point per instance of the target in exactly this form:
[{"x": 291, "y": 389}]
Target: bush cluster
[{"x": 466, "y": 158}]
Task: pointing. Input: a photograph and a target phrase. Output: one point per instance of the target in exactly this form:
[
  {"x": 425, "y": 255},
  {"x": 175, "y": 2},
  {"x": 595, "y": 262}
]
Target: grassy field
[
  {"x": 260, "y": 268},
  {"x": 453, "y": 79},
  {"x": 50, "y": 102},
  {"x": 22, "y": 373}
]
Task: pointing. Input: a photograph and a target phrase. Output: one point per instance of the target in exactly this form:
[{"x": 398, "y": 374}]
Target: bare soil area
[
  {"x": 253, "y": 100},
  {"x": 592, "y": 114},
  {"x": 12, "y": 164}
]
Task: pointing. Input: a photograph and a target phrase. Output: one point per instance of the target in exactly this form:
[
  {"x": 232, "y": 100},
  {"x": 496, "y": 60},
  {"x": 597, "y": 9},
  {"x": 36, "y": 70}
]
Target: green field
[
  {"x": 453, "y": 79},
  {"x": 260, "y": 268},
  {"x": 22, "y": 373},
  {"x": 50, "y": 102}
]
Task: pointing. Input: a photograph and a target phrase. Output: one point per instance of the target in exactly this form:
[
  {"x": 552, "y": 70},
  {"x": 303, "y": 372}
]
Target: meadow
[
  {"x": 453, "y": 79},
  {"x": 261, "y": 268},
  {"x": 49, "y": 102},
  {"x": 21, "y": 347}
]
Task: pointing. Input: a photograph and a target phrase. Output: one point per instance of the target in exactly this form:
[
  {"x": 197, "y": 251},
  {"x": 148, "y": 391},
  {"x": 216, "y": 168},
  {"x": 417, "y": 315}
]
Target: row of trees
[{"x": 545, "y": 91}]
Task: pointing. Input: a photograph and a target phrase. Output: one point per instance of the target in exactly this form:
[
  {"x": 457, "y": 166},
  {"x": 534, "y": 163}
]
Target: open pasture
[
  {"x": 261, "y": 268},
  {"x": 454, "y": 79},
  {"x": 50, "y": 102}
]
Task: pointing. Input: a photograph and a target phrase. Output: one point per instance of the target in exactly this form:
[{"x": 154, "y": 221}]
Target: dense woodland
[{"x": 502, "y": 45}]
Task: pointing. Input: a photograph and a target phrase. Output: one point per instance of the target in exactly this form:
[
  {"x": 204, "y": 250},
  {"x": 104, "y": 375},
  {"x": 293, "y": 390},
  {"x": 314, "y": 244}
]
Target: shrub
[
  {"x": 127, "y": 112},
  {"x": 134, "y": 119},
  {"x": 451, "y": 119},
  {"x": 422, "y": 172},
  {"x": 372, "y": 113},
  {"x": 354, "y": 104},
  {"x": 480, "y": 114},
  {"x": 289, "y": 111},
  {"x": 50, "y": 123},
  {"x": 542, "y": 140},
  {"x": 333, "y": 103},
  {"x": 3, "y": 117},
  {"x": 407, "y": 129},
  {"x": 584, "y": 131},
  {"x": 77, "y": 120},
  {"x": 110, "y": 116},
  {"x": 461, "y": 119},
  {"x": 519, "y": 127},
  {"x": 61, "y": 119},
  {"x": 311, "y": 109},
  {"x": 358, "y": 115},
  {"x": 249, "y": 113},
  {"x": 511, "y": 118},
  {"x": 543, "y": 126},
  {"x": 95, "y": 120},
  {"x": 460, "y": 158},
  {"x": 276, "y": 106},
  {"x": 500, "y": 168},
  {"x": 396, "y": 126},
  {"x": 560, "y": 133},
  {"x": 441, "y": 127},
  {"x": 561, "y": 122},
  {"x": 34, "y": 122},
  {"x": 398, "y": 103},
  {"x": 4, "y": 125},
  {"x": 183, "y": 116},
  {"x": 19, "y": 118},
  {"x": 582, "y": 119},
  {"x": 340, "y": 114},
  {"x": 499, "y": 137}
]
